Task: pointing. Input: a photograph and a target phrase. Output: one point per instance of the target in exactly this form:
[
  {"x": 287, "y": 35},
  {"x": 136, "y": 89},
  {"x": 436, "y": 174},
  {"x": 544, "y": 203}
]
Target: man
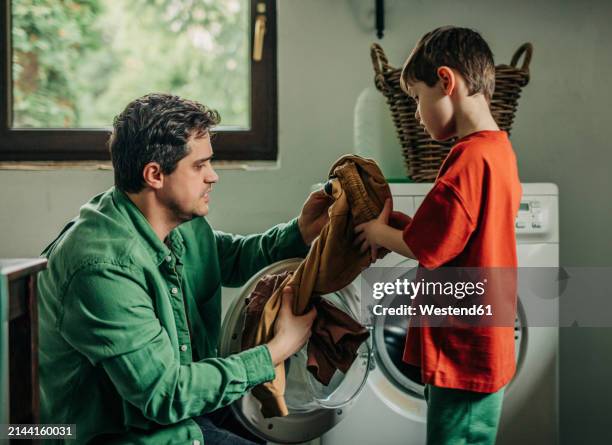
[{"x": 130, "y": 307}]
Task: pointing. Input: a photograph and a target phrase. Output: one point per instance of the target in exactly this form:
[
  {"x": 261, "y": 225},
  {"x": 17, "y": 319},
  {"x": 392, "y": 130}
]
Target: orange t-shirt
[{"x": 467, "y": 220}]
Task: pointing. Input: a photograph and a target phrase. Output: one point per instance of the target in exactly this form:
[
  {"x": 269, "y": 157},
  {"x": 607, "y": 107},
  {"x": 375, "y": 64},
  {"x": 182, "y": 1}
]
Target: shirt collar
[
  {"x": 156, "y": 248},
  {"x": 176, "y": 243}
]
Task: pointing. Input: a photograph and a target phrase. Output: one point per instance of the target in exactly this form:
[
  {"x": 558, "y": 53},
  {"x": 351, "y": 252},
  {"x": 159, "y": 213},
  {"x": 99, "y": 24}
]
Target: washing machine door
[
  {"x": 313, "y": 407},
  {"x": 389, "y": 337},
  {"x": 394, "y": 381}
]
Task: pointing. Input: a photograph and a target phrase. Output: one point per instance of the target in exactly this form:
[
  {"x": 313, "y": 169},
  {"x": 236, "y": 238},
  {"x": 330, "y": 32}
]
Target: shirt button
[
  {"x": 174, "y": 290},
  {"x": 169, "y": 258},
  {"x": 196, "y": 442},
  {"x": 183, "y": 348}
]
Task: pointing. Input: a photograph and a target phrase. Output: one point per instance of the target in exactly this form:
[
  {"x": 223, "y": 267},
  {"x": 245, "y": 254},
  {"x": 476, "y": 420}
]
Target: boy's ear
[{"x": 447, "y": 77}]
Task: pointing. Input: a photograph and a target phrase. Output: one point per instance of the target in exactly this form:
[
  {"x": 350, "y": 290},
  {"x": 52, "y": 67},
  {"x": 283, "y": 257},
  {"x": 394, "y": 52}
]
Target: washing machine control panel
[{"x": 533, "y": 217}]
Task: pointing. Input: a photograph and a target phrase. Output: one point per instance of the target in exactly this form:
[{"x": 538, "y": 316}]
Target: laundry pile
[{"x": 359, "y": 190}]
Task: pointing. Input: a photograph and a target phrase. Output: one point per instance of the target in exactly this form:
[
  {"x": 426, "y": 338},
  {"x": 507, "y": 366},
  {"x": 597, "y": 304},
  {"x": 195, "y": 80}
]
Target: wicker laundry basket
[{"x": 423, "y": 156}]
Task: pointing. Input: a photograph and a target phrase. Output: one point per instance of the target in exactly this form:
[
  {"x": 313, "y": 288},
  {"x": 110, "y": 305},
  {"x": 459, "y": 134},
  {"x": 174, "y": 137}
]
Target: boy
[{"x": 466, "y": 220}]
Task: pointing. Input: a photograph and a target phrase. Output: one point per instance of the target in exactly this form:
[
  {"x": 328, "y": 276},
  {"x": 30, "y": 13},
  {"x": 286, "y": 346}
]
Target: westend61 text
[{"x": 476, "y": 310}]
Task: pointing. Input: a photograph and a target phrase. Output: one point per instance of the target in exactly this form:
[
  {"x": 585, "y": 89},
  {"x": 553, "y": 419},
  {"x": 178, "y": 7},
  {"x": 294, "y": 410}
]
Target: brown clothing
[
  {"x": 359, "y": 190},
  {"x": 334, "y": 343},
  {"x": 335, "y": 339}
]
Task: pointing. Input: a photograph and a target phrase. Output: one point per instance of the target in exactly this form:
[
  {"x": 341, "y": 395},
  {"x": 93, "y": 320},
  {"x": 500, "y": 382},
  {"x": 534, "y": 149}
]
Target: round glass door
[
  {"x": 389, "y": 337},
  {"x": 314, "y": 408}
]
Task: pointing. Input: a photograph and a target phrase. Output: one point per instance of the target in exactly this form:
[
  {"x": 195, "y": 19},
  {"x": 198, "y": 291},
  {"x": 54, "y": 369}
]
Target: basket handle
[
  {"x": 527, "y": 50},
  {"x": 380, "y": 64}
]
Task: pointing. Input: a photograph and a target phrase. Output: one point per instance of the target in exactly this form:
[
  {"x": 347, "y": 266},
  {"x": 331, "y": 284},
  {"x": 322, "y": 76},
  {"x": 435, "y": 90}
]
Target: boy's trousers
[{"x": 458, "y": 417}]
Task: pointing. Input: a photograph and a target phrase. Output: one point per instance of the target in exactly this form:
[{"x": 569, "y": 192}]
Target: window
[{"x": 67, "y": 67}]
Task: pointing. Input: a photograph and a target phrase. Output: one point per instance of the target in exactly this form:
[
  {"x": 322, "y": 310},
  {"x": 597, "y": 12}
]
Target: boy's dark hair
[
  {"x": 155, "y": 128},
  {"x": 462, "y": 49}
]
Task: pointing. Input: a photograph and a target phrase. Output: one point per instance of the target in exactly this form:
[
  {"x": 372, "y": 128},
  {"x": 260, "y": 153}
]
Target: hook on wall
[{"x": 380, "y": 18}]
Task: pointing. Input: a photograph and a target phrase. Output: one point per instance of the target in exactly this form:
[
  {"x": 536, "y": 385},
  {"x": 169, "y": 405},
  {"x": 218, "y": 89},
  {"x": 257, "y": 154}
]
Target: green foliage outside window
[{"x": 77, "y": 63}]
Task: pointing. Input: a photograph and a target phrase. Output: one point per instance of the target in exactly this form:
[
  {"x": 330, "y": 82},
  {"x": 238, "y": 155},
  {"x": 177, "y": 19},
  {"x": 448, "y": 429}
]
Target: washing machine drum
[{"x": 314, "y": 408}]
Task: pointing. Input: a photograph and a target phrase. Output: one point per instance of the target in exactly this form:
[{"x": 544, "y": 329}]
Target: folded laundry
[{"x": 359, "y": 190}]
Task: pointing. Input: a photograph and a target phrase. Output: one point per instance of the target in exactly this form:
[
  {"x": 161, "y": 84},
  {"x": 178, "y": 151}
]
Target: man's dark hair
[
  {"x": 462, "y": 49},
  {"x": 155, "y": 128}
]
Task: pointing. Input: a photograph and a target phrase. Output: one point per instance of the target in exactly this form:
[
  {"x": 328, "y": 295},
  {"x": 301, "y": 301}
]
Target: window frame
[{"x": 259, "y": 143}]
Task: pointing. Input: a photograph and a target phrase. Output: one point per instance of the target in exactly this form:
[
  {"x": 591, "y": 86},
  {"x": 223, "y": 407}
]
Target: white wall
[{"x": 561, "y": 135}]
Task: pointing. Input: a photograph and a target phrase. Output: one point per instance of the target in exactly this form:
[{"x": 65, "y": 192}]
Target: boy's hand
[{"x": 367, "y": 233}]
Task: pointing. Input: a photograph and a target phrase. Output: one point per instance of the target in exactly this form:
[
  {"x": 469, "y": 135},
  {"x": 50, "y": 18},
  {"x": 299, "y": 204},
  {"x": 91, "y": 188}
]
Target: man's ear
[
  {"x": 153, "y": 176},
  {"x": 448, "y": 79}
]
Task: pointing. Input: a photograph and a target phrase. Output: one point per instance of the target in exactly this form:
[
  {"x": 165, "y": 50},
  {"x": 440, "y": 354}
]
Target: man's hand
[
  {"x": 314, "y": 215},
  {"x": 291, "y": 331},
  {"x": 368, "y": 233}
]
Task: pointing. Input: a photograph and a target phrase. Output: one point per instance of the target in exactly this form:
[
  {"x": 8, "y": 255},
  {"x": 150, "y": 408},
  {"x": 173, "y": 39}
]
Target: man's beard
[{"x": 180, "y": 215}]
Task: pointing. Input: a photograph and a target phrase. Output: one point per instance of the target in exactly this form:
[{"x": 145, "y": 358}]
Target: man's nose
[
  {"x": 212, "y": 177},
  {"x": 417, "y": 115}
]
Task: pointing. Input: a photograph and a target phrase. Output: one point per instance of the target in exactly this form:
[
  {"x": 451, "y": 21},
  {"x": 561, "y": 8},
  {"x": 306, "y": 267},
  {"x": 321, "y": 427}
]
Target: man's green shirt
[{"x": 129, "y": 325}]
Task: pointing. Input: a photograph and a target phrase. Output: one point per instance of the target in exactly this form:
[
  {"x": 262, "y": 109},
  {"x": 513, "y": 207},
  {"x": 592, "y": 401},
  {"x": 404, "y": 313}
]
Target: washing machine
[
  {"x": 391, "y": 409},
  {"x": 380, "y": 400}
]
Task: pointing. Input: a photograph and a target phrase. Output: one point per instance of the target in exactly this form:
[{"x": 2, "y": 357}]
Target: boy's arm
[
  {"x": 393, "y": 240},
  {"x": 377, "y": 233}
]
